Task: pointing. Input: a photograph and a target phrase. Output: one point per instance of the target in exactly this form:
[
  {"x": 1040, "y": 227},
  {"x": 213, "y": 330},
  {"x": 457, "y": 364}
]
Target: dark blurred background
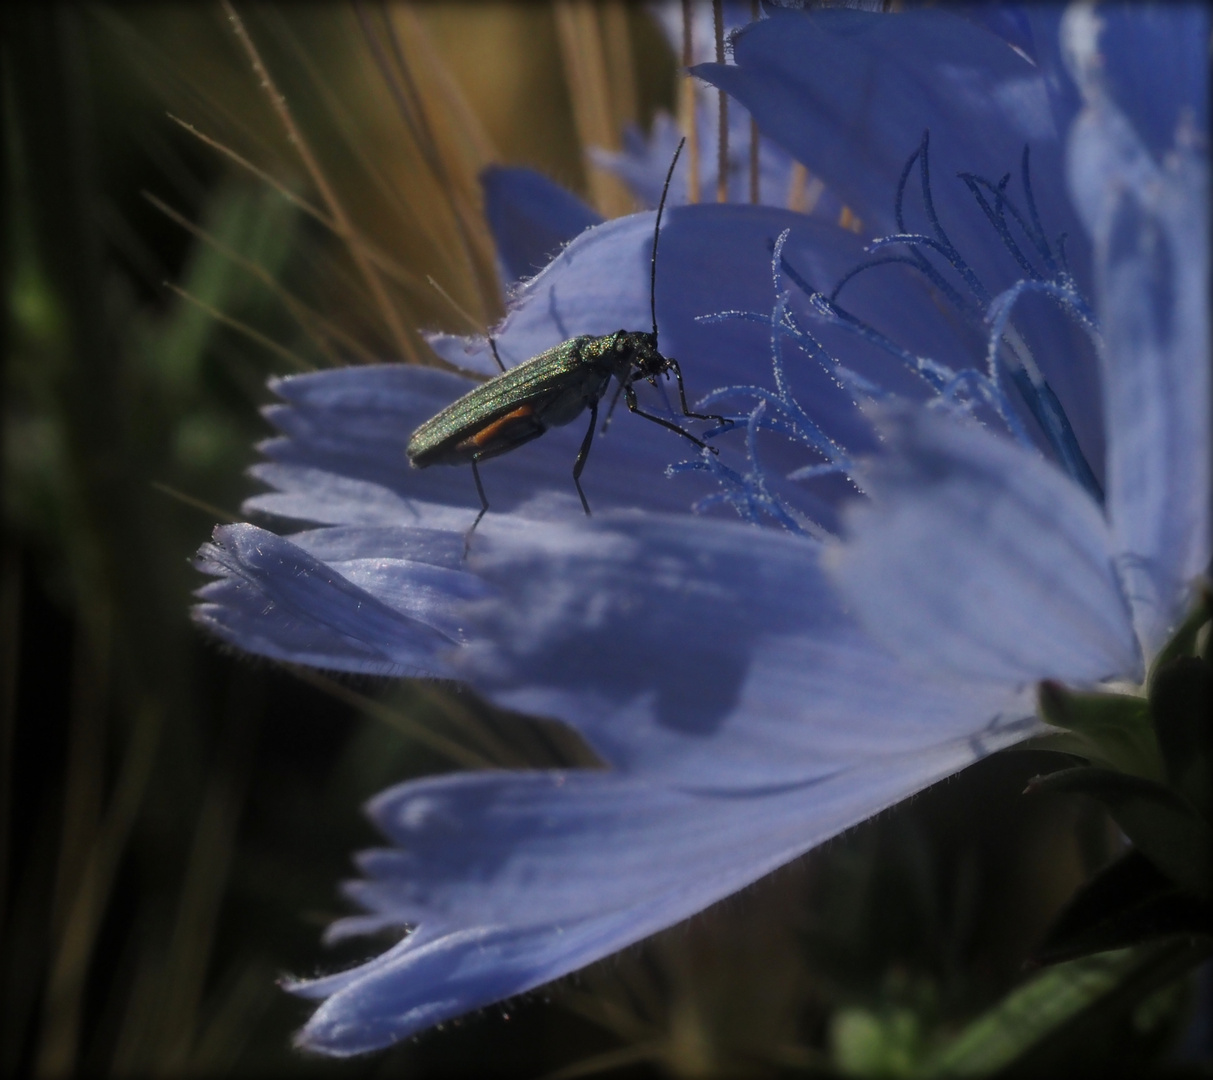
[{"x": 174, "y": 819}]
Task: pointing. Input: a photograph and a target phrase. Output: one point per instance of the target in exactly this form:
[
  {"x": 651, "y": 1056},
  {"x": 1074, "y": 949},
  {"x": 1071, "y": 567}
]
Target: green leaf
[
  {"x": 1068, "y": 1005},
  {"x": 1127, "y": 903},
  {"x": 1181, "y": 701},
  {"x": 1158, "y": 821},
  {"x": 864, "y": 1043}
]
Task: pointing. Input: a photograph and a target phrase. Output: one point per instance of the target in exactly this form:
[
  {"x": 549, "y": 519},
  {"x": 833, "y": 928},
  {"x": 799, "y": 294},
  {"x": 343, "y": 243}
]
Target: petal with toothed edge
[
  {"x": 275, "y": 599},
  {"x": 565, "y": 886},
  {"x": 341, "y": 457}
]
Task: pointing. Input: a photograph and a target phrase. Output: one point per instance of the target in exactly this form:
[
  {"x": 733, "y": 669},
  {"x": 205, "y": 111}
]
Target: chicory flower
[{"x": 968, "y": 455}]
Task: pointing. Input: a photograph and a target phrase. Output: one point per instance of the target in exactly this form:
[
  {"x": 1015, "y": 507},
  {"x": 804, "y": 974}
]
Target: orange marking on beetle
[{"x": 486, "y": 433}]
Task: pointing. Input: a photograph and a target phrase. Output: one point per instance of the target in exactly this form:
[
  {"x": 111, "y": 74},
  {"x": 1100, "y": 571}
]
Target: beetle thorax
[{"x": 634, "y": 353}]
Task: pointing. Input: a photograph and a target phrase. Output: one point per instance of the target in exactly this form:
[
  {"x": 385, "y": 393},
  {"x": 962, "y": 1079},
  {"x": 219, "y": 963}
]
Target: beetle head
[{"x": 636, "y": 350}]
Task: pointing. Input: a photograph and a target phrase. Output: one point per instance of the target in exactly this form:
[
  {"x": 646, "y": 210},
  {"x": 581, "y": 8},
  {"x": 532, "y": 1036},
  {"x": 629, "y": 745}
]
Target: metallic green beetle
[{"x": 550, "y": 390}]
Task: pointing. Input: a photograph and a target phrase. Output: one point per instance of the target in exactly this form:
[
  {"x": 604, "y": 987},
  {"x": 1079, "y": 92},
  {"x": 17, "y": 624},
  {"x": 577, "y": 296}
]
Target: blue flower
[
  {"x": 969, "y": 454},
  {"x": 643, "y": 161}
]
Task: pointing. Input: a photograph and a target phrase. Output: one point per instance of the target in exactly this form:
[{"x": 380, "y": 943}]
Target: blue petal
[
  {"x": 708, "y": 652},
  {"x": 1011, "y": 22},
  {"x": 522, "y": 878},
  {"x": 342, "y": 460},
  {"x": 327, "y": 498},
  {"x": 722, "y": 255},
  {"x": 1149, "y": 222},
  {"x": 355, "y": 423},
  {"x": 977, "y": 558},
  {"x": 596, "y": 285},
  {"x": 377, "y": 615},
  {"x": 849, "y": 93},
  {"x": 432, "y": 977},
  {"x": 732, "y": 667},
  {"x": 644, "y": 161},
  {"x": 531, "y": 218},
  {"x": 1157, "y": 68}
]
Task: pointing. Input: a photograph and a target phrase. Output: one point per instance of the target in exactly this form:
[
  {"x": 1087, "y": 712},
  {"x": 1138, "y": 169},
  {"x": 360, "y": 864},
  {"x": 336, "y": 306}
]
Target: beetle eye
[{"x": 619, "y": 346}]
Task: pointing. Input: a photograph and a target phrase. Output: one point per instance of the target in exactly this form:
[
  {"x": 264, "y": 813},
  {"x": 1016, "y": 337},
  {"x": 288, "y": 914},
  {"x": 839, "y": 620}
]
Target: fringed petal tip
[{"x": 379, "y": 616}]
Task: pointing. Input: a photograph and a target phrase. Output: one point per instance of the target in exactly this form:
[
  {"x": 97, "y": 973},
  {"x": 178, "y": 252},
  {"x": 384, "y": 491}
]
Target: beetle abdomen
[{"x": 517, "y": 406}]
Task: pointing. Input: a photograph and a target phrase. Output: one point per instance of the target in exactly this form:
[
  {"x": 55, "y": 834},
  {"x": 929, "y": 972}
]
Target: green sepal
[
  {"x": 1112, "y": 729},
  {"x": 1161, "y": 824},
  {"x": 1184, "y": 641},
  {"x": 1127, "y": 903},
  {"x": 1181, "y": 701}
]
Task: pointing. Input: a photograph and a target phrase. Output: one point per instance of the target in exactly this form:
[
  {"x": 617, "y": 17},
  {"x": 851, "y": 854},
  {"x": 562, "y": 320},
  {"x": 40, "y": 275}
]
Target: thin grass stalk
[
  {"x": 459, "y": 138},
  {"x": 83, "y": 800},
  {"x": 318, "y": 328},
  {"x": 345, "y": 227},
  {"x": 397, "y": 77},
  {"x": 131, "y": 1055},
  {"x": 376, "y": 255},
  {"x": 620, "y": 64},
  {"x": 455, "y": 752},
  {"x": 345, "y": 125},
  {"x": 241, "y": 327},
  {"x": 606, "y": 1062},
  {"x": 26, "y": 944},
  {"x": 69, "y": 967},
  {"x": 585, "y": 73},
  {"x": 233, "y": 1020},
  {"x": 234, "y": 121},
  {"x": 458, "y": 255},
  {"x": 722, "y": 114},
  {"x": 473, "y": 323},
  {"x": 439, "y": 85},
  {"x": 498, "y": 751},
  {"x": 689, "y": 102},
  {"x": 212, "y": 512},
  {"x": 457, "y": 182},
  {"x": 804, "y": 190},
  {"x": 754, "y": 170},
  {"x": 10, "y": 653},
  {"x": 204, "y": 884}
]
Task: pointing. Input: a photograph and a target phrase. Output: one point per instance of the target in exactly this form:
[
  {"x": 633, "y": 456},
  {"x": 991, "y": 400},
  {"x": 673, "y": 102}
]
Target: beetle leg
[
  {"x": 584, "y": 453},
  {"x": 484, "y": 507},
  {"x": 493, "y": 346},
  {"x": 634, "y": 406},
  {"x": 682, "y": 396},
  {"x": 614, "y": 401}
]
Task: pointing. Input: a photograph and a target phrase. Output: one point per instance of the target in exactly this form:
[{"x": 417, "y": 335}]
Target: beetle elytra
[{"x": 550, "y": 390}]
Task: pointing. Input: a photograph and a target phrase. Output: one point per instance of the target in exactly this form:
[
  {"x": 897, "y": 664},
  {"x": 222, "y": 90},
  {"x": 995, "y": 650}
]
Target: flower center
[{"x": 1008, "y": 368}]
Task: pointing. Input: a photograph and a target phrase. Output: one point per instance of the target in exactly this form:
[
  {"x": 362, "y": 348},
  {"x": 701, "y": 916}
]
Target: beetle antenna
[{"x": 656, "y": 230}]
